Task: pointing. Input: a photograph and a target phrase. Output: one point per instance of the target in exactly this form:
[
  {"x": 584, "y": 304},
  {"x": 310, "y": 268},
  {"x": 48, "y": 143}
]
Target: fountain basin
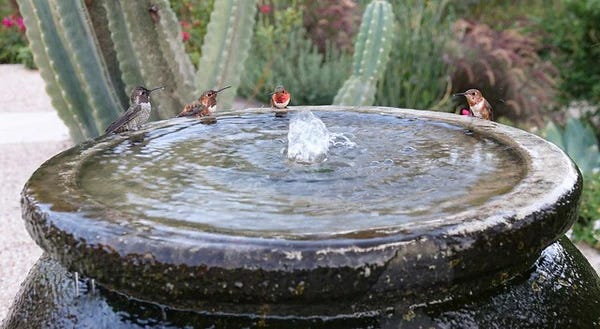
[{"x": 364, "y": 259}]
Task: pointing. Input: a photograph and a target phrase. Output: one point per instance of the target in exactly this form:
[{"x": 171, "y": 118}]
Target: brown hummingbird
[
  {"x": 137, "y": 114},
  {"x": 280, "y": 99},
  {"x": 204, "y": 106},
  {"x": 478, "y": 105}
]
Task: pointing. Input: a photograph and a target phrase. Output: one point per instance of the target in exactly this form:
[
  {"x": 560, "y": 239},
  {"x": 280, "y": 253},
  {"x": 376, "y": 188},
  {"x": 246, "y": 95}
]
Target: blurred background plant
[
  {"x": 13, "y": 42},
  {"x": 572, "y": 33},
  {"x": 578, "y": 139},
  {"x": 506, "y": 67},
  {"x": 332, "y": 22},
  {"x": 284, "y": 54},
  {"x": 416, "y": 76},
  {"x": 193, "y": 17}
]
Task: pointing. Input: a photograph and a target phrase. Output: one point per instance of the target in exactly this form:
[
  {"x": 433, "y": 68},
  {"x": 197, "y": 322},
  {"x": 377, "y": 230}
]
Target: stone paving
[{"x": 30, "y": 133}]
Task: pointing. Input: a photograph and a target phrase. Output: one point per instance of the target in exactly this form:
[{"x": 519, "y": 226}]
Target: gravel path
[{"x": 30, "y": 133}]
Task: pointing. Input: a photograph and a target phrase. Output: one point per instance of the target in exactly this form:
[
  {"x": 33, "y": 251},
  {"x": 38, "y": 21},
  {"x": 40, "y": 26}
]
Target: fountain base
[{"x": 560, "y": 290}]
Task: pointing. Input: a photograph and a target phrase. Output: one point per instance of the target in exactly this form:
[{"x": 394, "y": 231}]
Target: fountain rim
[
  {"x": 542, "y": 191},
  {"x": 456, "y": 255}
]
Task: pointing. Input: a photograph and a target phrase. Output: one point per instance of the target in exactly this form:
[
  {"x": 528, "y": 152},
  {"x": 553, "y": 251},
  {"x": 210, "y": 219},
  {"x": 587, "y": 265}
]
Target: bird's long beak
[
  {"x": 157, "y": 88},
  {"x": 220, "y": 90},
  {"x": 459, "y": 94}
]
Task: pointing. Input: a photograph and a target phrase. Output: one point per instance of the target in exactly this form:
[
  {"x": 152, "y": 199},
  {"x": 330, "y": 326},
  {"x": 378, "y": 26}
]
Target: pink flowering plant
[
  {"x": 193, "y": 16},
  {"x": 13, "y": 42}
]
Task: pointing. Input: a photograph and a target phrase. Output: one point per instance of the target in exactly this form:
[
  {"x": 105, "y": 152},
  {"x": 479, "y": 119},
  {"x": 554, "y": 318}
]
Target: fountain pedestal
[
  {"x": 560, "y": 291},
  {"x": 428, "y": 219}
]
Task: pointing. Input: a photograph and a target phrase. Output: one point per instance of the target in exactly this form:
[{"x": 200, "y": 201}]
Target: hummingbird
[
  {"x": 137, "y": 114},
  {"x": 204, "y": 106},
  {"x": 479, "y": 107},
  {"x": 280, "y": 99}
]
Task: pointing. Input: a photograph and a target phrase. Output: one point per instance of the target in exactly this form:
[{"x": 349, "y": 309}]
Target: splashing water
[
  {"x": 341, "y": 140},
  {"x": 308, "y": 139}
]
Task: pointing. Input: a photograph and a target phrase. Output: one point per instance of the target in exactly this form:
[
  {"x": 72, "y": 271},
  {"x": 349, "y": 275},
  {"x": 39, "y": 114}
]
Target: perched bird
[
  {"x": 280, "y": 99},
  {"x": 204, "y": 106},
  {"x": 137, "y": 114},
  {"x": 478, "y": 105}
]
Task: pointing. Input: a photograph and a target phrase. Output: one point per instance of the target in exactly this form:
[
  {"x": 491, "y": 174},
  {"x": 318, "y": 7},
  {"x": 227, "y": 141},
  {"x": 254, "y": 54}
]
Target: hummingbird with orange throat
[
  {"x": 204, "y": 106},
  {"x": 137, "y": 114},
  {"x": 479, "y": 107},
  {"x": 280, "y": 99}
]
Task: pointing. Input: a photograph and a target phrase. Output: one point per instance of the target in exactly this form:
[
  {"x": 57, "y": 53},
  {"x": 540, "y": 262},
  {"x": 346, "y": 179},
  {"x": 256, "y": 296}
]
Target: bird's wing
[
  {"x": 124, "y": 119},
  {"x": 190, "y": 109}
]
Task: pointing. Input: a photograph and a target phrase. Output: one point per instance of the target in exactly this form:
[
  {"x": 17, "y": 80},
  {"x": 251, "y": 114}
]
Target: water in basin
[{"x": 234, "y": 177}]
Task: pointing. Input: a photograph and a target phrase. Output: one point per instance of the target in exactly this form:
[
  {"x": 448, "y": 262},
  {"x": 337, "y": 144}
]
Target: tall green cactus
[
  {"x": 224, "y": 56},
  {"x": 92, "y": 53},
  {"x": 371, "y": 54}
]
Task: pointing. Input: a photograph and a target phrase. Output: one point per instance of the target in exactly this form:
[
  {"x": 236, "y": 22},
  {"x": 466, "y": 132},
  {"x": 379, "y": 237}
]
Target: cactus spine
[
  {"x": 371, "y": 54},
  {"x": 91, "y": 54},
  {"x": 225, "y": 47}
]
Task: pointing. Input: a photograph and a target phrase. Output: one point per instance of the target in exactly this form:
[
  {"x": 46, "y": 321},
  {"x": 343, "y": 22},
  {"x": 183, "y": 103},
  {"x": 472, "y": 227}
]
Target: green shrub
[
  {"x": 13, "y": 43},
  {"x": 587, "y": 227},
  {"x": 573, "y": 36},
  {"x": 284, "y": 55},
  {"x": 505, "y": 14},
  {"x": 416, "y": 75},
  {"x": 193, "y": 16},
  {"x": 579, "y": 141}
]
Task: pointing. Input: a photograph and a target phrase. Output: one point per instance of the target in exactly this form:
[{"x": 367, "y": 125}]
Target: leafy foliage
[
  {"x": 284, "y": 55},
  {"x": 194, "y": 16},
  {"x": 573, "y": 36},
  {"x": 13, "y": 43},
  {"x": 505, "y": 14},
  {"x": 506, "y": 67},
  {"x": 579, "y": 141},
  {"x": 587, "y": 227},
  {"x": 416, "y": 76}
]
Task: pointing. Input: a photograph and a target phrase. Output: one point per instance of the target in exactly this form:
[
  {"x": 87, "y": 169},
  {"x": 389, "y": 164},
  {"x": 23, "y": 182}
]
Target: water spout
[{"x": 308, "y": 139}]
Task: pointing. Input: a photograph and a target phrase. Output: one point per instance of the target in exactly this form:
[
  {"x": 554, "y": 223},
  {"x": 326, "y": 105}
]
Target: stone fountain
[{"x": 411, "y": 219}]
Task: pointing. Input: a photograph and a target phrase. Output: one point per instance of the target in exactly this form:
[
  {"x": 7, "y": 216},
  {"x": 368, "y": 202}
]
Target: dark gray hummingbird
[{"x": 137, "y": 114}]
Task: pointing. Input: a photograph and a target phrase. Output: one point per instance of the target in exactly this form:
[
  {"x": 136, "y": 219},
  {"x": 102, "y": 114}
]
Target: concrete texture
[{"x": 30, "y": 133}]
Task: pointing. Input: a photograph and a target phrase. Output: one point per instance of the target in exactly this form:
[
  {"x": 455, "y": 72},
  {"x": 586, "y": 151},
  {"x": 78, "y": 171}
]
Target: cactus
[
  {"x": 225, "y": 47},
  {"x": 371, "y": 54},
  {"x": 92, "y": 53},
  {"x": 154, "y": 61},
  {"x": 58, "y": 72},
  {"x": 83, "y": 52}
]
